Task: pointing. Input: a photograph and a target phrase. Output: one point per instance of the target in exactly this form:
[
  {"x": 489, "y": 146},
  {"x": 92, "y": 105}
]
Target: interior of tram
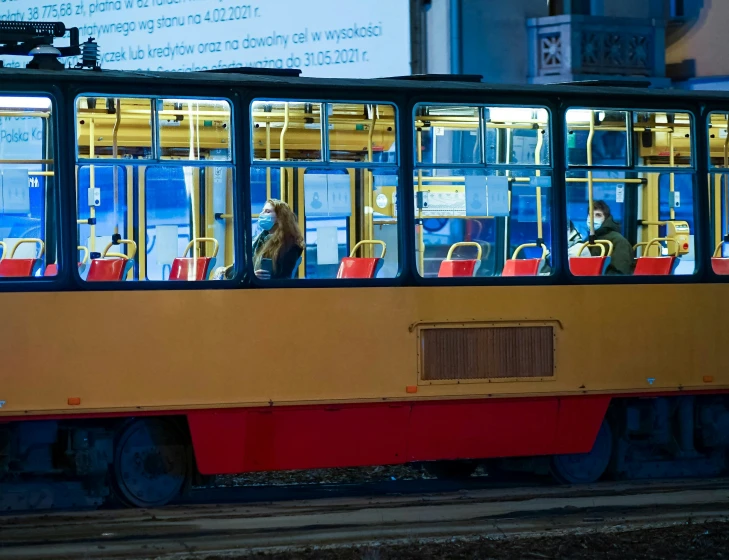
[{"x": 155, "y": 180}]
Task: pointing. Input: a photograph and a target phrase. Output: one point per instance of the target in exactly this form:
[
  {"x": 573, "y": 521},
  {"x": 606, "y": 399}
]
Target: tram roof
[{"x": 407, "y": 85}]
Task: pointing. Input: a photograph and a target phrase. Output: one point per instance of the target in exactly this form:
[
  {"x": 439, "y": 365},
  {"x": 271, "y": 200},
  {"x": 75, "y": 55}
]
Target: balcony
[{"x": 576, "y": 48}]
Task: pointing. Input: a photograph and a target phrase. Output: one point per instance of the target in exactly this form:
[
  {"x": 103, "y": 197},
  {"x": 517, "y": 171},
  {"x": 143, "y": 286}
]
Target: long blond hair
[{"x": 284, "y": 234}]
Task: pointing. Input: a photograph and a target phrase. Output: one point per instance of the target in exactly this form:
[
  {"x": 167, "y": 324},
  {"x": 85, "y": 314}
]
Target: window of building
[
  {"x": 155, "y": 188},
  {"x": 324, "y": 205},
  {"x": 634, "y": 169},
  {"x": 483, "y": 196},
  {"x": 28, "y": 228}
]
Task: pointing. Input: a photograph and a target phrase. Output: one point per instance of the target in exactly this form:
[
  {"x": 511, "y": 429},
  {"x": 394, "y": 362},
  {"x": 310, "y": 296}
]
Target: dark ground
[{"x": 684, "y": 542}]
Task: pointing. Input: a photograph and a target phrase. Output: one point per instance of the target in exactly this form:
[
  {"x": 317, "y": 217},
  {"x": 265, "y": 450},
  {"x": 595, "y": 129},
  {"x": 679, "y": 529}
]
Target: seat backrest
[
  {"x": 521, "y": 267},
  {"x": 720, "y": 266},
  {"x": 355, "y": 267},
  {"x": 461, "y": 268},
  {"x": 296, "y": 267},
  {"x": 17, "y": 268},
  {"x": 110, "y": 269},
  {"x": 589, "y": 266},
  {"x": 655, "y": 266},
  {"x": 190, "y": 269},
  {"x": 51, "y": 270}
]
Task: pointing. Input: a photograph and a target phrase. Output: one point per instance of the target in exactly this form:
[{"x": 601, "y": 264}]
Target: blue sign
[{"x": 498, "y": 191}]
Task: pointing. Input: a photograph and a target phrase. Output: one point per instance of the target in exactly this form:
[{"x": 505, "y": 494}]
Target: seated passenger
[
  {"x": 574, "y": 240},
  {"x": 280, "y": 241},
  {"x": 621, "y": 261}
]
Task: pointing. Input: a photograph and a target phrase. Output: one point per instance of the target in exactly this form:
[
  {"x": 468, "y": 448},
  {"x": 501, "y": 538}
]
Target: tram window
[
  {"x": 662, "y": 139},
  {"x": 718, "y": 132},
  {"x": 194, "y": 129},
  {"x": 350, "y": 127},
  {"x": 606, "y": 131},
  {"x": 27, "y": 206},
  {"x": 448, "y": 134},
  {"x": 164, "y": 219},
  {"x": 338, "y": 216},
  {"x": 640, "y": 212},
  {"x": 114, "y": 127},
  {"x": 286, "y": 131},
  {"x": 493, "y": 218}
]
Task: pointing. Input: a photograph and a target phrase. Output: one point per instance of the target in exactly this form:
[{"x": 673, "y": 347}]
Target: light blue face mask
[
  {"x": 266, "y": 221},
  {"x": 598, "y": 223}
]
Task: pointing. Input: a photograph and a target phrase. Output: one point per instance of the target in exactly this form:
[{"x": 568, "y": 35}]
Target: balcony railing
[{"x": 573, "y": 48}]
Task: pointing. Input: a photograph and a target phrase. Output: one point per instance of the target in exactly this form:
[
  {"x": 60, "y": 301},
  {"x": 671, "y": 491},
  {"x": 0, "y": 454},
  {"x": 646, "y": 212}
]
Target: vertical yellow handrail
[
  {"x": 537, "y": 161},
  {"x": 268, "y": 158},
  {"x": 419, "y": 227},
  {"x": 92, "y": 185},
  {"x": 726, "y": 182},
  {"x": 142, "y": 250},
  {"x": 115, "y": 153},
  {"x": 590, "y": 201},
  {"x": 130, "y": 211},
  {"x": 229, "y": 224},
  {"x": 369, "y": 201},
  {"x": 671, "y": 175},
  {"x": 282, "y": 155}
]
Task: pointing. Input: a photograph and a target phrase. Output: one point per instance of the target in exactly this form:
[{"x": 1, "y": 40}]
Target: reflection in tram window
[
  {"x": 648, "y": 193},
  {"x": 718, "y": 131},
  {"x": 341, "y": 186},
  {"x": 177, "y": 190},
  {"x": 27, "y": 206},
  {"x": 482, "y": 191}
]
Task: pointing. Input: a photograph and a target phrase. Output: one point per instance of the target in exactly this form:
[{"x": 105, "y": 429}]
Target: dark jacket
[
  {"x": 621, "y": 261},
  {"x": 286, "y": 260}
]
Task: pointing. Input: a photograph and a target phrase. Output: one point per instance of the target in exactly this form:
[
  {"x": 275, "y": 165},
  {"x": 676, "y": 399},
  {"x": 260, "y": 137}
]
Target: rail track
[{"x": 197, "y": 531}]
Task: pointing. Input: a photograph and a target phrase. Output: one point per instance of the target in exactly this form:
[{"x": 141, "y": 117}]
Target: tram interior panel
[
  {"x": 718, "y": 132},
  {"x": 641, "y": 165},
  {"x": 342, "y": 186},
  {"x": 155, "y": 186},
  {"x": 27, "y": 225},
  {"x": 482, "y": 190}
]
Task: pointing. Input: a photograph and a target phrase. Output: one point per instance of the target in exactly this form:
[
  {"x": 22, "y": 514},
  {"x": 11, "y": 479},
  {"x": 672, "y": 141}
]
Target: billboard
[{"x": 323, "y": 38}]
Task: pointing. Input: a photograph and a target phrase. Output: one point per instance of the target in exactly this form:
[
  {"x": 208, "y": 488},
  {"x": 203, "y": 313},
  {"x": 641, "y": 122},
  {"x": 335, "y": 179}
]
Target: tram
[{"x": 437, "y": 314}]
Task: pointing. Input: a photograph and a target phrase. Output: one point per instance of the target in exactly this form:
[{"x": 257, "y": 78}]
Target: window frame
[
  {"x": 673, "y": 104},
  {"x": 331, "y": 95},
  {"x": 150, "y": 91},
  {"x": 708, "y": 171},
  {"x": 519, "y": 99},
  {"x": 42, "y": 283}
]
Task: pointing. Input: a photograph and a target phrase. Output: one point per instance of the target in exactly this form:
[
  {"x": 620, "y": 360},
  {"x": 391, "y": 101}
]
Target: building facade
[{"x": 664, "y": 42}]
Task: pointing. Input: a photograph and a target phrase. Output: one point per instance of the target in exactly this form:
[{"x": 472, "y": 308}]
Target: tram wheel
[
  {"x": 151, "y": 463},
  {"x": 450, "y": 469},
  {"x": 584, "y": 468}
]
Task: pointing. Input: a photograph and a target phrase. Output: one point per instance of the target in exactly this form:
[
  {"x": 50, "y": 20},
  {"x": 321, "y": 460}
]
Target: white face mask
[{"x": 598, "y": 223}]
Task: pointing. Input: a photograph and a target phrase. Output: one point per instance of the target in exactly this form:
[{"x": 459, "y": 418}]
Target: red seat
[
  {"x": 191, "y": 269},
  {"x": 51, "y": 270},
  {"x": 17, "y": 268},
  {"x": 108, "y": 270},
  {"x": 655, "y": 266},
  {"x": 458, "y": 268},
  {"x": 720, "y": 266},
  {"x": 521, "y": 267},
  {"x": 589, "y": 266},
  {"x": 353, "y": 267}
]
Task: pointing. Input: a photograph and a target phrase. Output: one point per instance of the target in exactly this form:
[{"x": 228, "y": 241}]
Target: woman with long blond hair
[{"x": 280, "y": 242}]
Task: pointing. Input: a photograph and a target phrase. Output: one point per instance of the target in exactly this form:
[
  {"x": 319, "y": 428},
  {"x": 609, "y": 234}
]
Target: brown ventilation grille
[{"x": 487, "y": 353}]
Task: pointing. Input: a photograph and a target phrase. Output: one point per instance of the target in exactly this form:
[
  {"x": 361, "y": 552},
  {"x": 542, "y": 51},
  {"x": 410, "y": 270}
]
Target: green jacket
[{"x": 621, "y": 261}]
